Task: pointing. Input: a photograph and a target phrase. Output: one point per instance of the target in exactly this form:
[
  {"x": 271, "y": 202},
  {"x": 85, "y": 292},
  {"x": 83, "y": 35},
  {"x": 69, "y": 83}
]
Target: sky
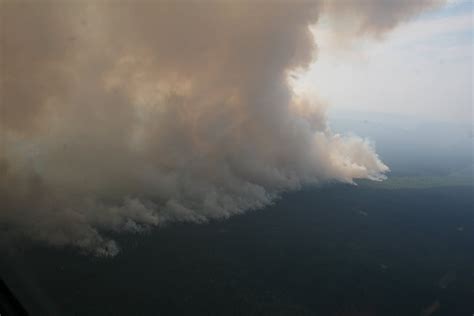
[{"x": 423, "y": 68}]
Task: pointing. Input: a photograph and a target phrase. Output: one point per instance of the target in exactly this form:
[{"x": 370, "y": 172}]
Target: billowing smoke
[{"x": 122, "y": 116}]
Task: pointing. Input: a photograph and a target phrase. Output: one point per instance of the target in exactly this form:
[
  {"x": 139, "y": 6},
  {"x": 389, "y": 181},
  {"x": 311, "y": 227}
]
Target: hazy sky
[{"x": 422, "y": 68}]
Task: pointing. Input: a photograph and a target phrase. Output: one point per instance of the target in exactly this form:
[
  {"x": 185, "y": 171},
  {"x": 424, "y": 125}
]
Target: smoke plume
[{"x": 121, "y": 116}]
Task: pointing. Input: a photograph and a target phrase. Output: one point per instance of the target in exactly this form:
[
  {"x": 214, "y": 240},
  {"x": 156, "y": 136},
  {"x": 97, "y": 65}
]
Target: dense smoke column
[{"x": 121, "y": 116}]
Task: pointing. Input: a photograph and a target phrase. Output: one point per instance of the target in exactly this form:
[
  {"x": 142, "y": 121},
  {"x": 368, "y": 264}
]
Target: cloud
[{"x": 123, "y": 116}]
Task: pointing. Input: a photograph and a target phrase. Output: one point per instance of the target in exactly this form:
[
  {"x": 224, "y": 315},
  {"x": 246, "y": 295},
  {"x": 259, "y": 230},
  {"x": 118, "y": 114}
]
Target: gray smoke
[{"x": 122, "y": 116}]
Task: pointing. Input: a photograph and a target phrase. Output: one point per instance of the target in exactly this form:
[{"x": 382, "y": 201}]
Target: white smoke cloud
[{"x": 123, "y": 116}]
